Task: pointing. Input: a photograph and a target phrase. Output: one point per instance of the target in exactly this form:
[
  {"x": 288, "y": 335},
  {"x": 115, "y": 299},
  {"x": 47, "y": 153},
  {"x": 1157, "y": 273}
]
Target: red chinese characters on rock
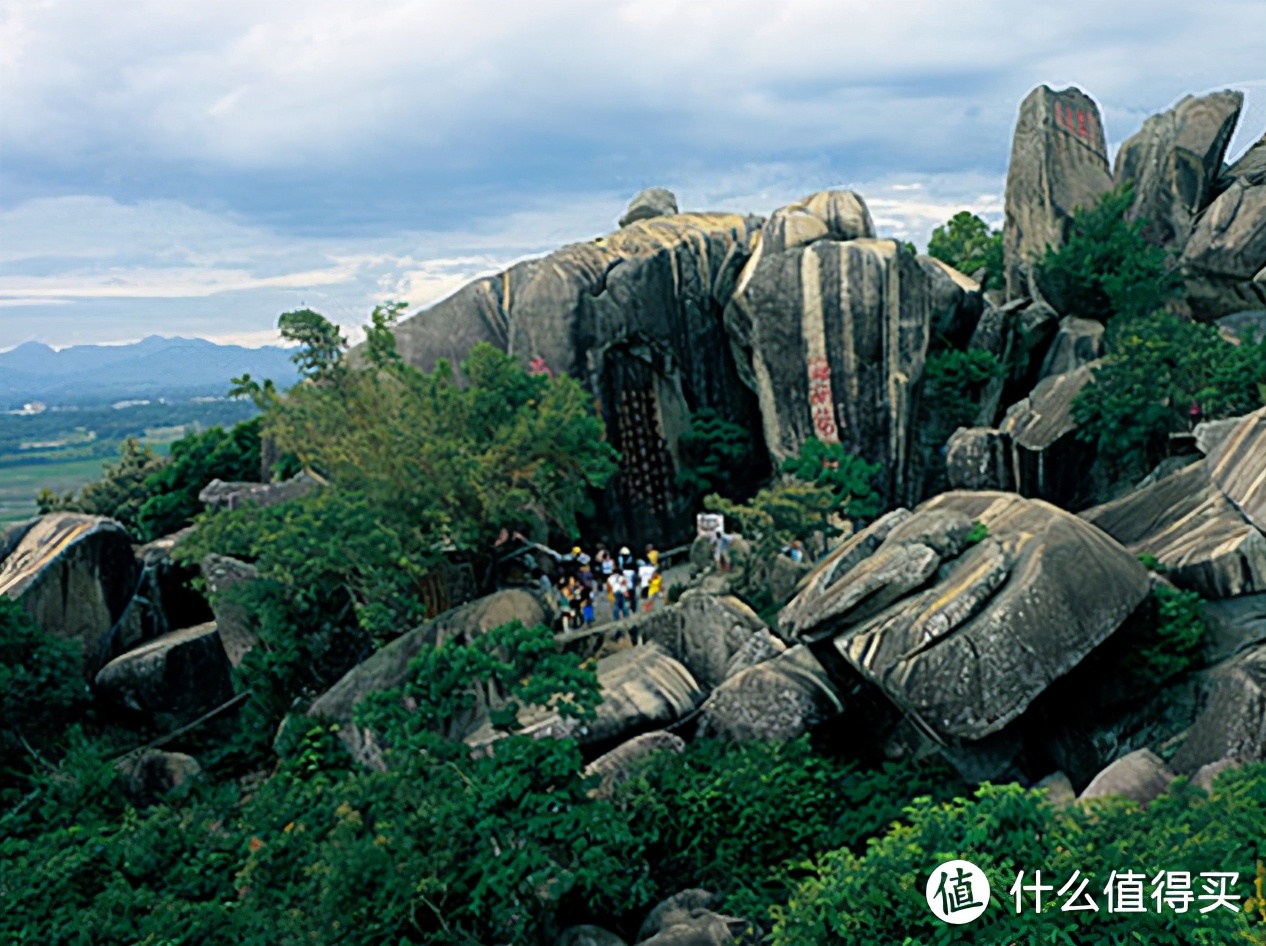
[{"x": 821, "y": 401}]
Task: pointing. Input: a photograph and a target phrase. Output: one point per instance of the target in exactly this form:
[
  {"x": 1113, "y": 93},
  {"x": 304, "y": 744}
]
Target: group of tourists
[{"x": 625, "y": 581}]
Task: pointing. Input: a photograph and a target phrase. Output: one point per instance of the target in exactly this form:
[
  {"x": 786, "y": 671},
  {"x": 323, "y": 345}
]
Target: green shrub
[
  {"x": 1105, "y": 268},
  {"x": 715, "y": 454},
  {"x": 1160, "y": 368},
  {"x": 967, "y": 243},
  {"x": 876, "y": 898},
  {"x": 742, "y": 818},
  {"x": 41, "y": 692}
]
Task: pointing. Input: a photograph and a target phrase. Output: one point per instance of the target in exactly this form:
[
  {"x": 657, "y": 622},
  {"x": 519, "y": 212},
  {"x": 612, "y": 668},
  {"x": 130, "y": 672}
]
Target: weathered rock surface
[
  {"x": 642, "y": 688},
  {"x": 236, "y": 623},
  {"x": 76, "y": 575},
  {"x": 1251, "y": 166},
  {"x": 1225, "y": 255},
  {"x": 836, "y": 333},
  {"x": 12, "y": 535},
  {"x": 1078, "y": 342},
  {"x": 706, "y": 633},
  {"x": 1058, "y": 788},
  {"x": 153, "y": 773},
  {"x": 979, "y": 458},
  {"x": 627, "y": 314},
  {"x": 1199, "y": 523},
  {"x": 221, "y": 495},
  {"x": 956, "y": 301},
  {"x": 652, "y": 202},
  {"x": 1232, "y": 723},
  {"x": 179, "y": 675},
  {"x": 963, "y": 636},
  {"x": 1175, "y": 160},
  {"x": 614, "y": 767},
  {"x": 1059, "y": 162},
  {"x": 1047, "y": 461},
  {"x": 687, "y": 919},
  {"x": 387, "y": 668},
  {"x": 775, "y": 700},
  {"x": 170, "y": 599},
  {"x": 1233, "y": 625},
  {"x": 587, "y": 935},
  {"x": 1140, "y": 775},
  {"x": 1019, "y": 334}
]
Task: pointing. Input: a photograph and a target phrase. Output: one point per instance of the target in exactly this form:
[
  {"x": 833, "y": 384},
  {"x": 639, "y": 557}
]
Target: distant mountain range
[{"x": 155, "y": 367}]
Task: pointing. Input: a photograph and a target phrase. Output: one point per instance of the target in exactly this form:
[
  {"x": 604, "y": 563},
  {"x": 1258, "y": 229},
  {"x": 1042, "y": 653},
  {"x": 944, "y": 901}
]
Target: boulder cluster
[{"x": 983, "y": 618}]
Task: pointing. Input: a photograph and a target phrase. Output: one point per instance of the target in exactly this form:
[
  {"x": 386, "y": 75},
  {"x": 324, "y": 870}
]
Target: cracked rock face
[
  {"x": 962, "y": 632},
  {"x": 1205, "y": 524}
]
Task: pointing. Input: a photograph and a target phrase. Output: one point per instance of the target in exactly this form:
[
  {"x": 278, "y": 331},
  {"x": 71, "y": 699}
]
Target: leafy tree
[
  {"x": 714, "y": 454},
  {"x": 953, "y": 384},
  {"x": 120, "y": 493},
  {"x": 967, "y": 243},
  {"x": 877, "y": 896},
  {"x": 1106, "y": 268},
  {"x": 1161, "y": 373},
  {"x": 849, "y": 478}
]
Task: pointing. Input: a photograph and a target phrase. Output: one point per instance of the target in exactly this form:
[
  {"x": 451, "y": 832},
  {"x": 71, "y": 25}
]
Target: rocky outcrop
[
  {"x": 956, "y": 301},
  {"x": 774, "y": 700},
  {"x": 1224, "y": 260},
  {"x": 173, "y": 678},
  {"x": 76, "y": 576},
  {"x": 152, "y": 773},
  {"x": 962, "y": 635},
  {"x": 1232, "y": 723},
  {"x": 652, "y": 202},
  {"x": 171, "y": 601},
  {"x": 587, "y": 935},
  {"x": 688, "y": 919},
  {"x": 1175, "y": 160},
  {"x": 836, "y": 331},
  {"x": 1078, "y": 342},
  {"x": 642, "y": 688},
  {"x": 1233, "y": 625},
  {"x": 1251, "y": 166},
  {"x": 1203, "y": 522},
  {"x": 626, "y": 314},
  {"x": 232, "y": 617},
  {"x": 614, "y": 767},
  {"x": 1140, "y": 776},
  {"x": 221, "y": 495},
  {"x": 708, "y": 634},
  {"x": 1059, "y": 162},
  {"x": 388, "y": 668},
  {"x": 979, "y": 458},
  {"x": 1047, "y": 461}
]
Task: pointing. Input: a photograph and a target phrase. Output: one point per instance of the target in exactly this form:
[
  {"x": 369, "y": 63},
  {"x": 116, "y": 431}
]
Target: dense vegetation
[
  {"x": 1163, "y": 372},
  {"x": 968, "y": 244},
  {"x": 286, "y": 840}
]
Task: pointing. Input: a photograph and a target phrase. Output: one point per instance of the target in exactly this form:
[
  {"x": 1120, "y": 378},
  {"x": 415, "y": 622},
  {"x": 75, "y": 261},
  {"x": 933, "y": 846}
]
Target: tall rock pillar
[{"x": 1059, "y": 162}]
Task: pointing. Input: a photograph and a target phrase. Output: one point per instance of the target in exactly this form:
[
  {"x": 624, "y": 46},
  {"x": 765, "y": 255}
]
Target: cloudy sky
[{"x": 196, "y": 168}]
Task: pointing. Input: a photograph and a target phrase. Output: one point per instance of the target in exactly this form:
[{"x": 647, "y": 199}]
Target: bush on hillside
[
  {"x": 968, "y": 244},
  {"x": 1105, "y": 268}
]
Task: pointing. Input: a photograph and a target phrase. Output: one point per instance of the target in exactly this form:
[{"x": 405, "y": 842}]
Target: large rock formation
[
  {"x": 1077, "y": 342},
  {"x": 388, "y": 668},
  {"x": 652, "y": 202},
  {"x": 628, "y": 315},
  {"x": 835, "y": 325},
  {"x": 1232, "y": 724},
  {"x": 774, "y": 700},
  {"x": 963, "y": 635},
  {"x": 643, "y": 688},
  {"x": 174, "y": 678},
  {"x": 1059, "y": 162},
  {"x": 1224, "y": 260},
  {"x": 1175, "y": 160},
  {"x": 76, "y": 576},
  {"x": 1047, "y": 461},
  {"x": 1205, "y": 523}
]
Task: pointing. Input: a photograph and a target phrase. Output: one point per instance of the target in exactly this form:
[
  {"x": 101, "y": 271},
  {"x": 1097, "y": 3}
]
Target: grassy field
[{"x": 19, "y": 485}]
